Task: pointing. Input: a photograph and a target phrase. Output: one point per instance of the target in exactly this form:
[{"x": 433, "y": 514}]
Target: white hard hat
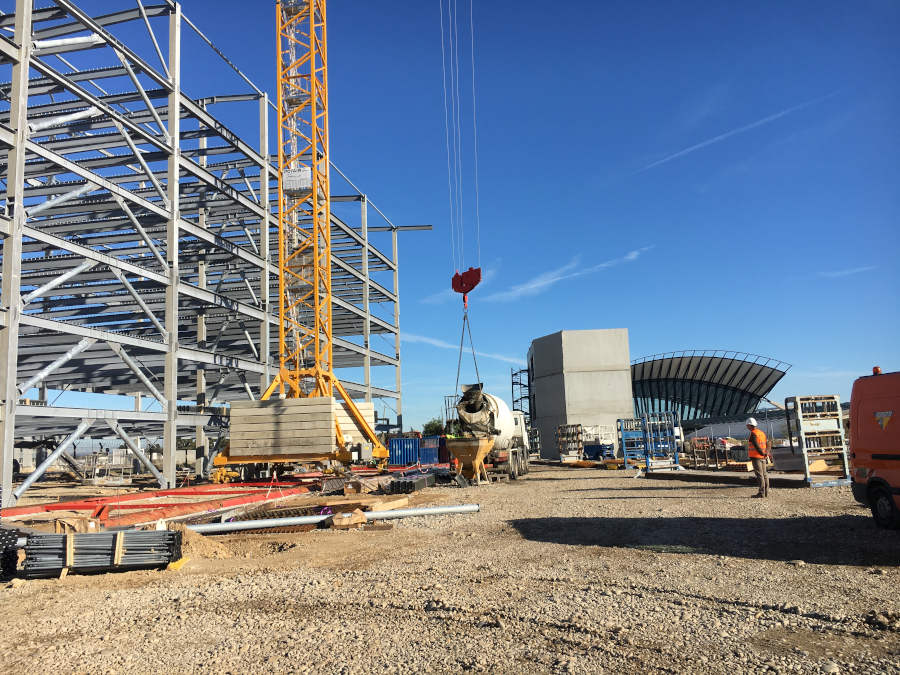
[{"x": 752, "y": 422}]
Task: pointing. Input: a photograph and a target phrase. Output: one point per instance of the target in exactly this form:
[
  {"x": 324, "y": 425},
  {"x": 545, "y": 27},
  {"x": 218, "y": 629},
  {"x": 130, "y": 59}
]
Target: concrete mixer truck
[{"x": 487, "y": 417}]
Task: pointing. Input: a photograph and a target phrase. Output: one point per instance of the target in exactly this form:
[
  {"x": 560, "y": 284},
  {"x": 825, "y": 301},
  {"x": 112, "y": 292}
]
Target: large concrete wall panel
[
  {"x": 595, "y": 350},
  {"x": 549, "y": 395},
  {"x": 546, "y": 355},
  {"x": 599, "y": 397},
  {"x": 547, "y": 426}
]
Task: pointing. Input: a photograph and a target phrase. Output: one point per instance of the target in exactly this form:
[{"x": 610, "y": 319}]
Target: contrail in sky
[
  {"x": 442, "y": 344},
  {"x": 735, "y": 132}
]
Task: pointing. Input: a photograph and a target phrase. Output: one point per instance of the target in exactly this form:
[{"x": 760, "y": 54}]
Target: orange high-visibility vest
[{"x": 760, "y": 441}]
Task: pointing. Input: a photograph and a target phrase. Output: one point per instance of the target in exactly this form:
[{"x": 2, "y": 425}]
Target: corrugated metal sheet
[{"x": 403, "y": 451}]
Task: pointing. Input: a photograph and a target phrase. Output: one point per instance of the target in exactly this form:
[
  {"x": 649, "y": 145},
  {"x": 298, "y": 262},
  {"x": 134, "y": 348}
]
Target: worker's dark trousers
[{"x": 762, "y": 476}]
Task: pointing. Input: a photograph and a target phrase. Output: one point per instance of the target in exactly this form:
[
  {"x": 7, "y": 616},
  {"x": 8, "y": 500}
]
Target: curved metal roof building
[{"x": 701, "y": 384}]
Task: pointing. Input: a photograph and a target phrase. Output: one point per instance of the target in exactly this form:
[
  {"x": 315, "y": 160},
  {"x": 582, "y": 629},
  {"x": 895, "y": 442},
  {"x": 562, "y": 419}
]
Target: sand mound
[{"x": 195, "y": 545}]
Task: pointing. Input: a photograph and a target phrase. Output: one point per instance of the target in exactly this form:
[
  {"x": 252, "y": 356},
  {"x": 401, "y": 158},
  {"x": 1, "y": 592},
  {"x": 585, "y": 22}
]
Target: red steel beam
[{"x": 165, "y": 512}]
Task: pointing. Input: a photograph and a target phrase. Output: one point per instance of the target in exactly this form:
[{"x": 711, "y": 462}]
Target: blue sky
[{"x": 707, "y": 176}]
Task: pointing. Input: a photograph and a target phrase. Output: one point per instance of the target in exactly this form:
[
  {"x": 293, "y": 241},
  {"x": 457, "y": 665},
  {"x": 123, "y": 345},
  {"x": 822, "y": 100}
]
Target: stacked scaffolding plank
[{"x": 138, "y": 238}]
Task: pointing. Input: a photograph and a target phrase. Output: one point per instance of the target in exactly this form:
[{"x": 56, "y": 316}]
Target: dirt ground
[{"x": 568, "y": 570}]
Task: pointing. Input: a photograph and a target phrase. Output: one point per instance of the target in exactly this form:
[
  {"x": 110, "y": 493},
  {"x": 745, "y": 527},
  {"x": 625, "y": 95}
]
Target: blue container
[
  {"x": 403, "y": 451},
  {"x": 428, "y": 449}
]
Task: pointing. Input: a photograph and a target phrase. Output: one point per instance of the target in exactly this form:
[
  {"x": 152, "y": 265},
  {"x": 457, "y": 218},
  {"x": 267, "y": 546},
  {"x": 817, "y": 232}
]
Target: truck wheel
[
  {"x": 884, "y": 510},
  {"x": 525, "y": 467},
  {"x": 513, "y": 466}
]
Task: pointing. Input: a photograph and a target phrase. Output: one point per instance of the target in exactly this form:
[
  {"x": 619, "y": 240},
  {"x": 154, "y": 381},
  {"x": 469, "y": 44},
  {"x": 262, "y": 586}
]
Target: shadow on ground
[
  {"x": 642, "y": 487},
  {"x": 824, "y": 540}
]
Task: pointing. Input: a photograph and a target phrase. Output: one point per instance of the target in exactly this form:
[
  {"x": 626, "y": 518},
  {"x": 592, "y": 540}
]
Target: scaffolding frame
[{"x": 138, "y": 238}]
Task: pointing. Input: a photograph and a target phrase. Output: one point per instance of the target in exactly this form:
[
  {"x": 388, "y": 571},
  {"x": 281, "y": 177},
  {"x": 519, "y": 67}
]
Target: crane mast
[
  {"x": 304, "y": 203},
  {"x": 305, "y": 343}
]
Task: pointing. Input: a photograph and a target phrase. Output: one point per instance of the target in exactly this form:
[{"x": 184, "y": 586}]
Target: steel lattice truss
[
  {"x": 139, "y": 235},
  {"x": 700, "y": 384}
]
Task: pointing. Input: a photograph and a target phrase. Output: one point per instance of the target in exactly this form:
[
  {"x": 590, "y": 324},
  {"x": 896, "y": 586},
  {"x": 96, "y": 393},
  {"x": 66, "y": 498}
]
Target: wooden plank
[
  {"x": 389, "y": 504},
  {"x": 309, "y": 435},
  {"x": 249, "y": 407},
  {"x": 306, "y": 452},
  {"x": 311, "y": 400},
  {"x": 277, "y": 412},
  {"x": 283, "y": 420},
  {"x": 318, "y": 441},
  {"x": 259, "y": 444},
  {"x": 305, "y": 424}
]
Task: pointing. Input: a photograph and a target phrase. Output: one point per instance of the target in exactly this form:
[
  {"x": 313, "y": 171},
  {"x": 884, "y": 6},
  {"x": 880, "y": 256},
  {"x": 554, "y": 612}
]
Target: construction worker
[{"x": 759, "y": 453}]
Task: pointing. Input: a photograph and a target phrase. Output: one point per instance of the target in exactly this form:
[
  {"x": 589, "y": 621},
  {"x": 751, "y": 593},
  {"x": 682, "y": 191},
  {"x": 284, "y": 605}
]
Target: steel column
[
  {"x": 10, "y": 284},
  {"x": 396, "y": 261},
  {"x": 170, "y": 387},
  {"x": 367, "y": 358}
]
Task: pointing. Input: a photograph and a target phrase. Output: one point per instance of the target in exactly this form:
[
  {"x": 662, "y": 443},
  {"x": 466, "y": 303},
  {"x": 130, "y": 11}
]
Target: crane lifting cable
[{"x": 461, "y": 282}]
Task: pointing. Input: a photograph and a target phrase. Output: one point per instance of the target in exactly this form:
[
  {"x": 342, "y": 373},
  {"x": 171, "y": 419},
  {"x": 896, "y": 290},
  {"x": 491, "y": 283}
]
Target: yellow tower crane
[{"x": 305, "y": 345}]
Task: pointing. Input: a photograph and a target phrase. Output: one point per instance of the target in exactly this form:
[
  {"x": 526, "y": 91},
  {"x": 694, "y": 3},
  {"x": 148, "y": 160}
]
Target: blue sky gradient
[{"x": 709, "y": 176}]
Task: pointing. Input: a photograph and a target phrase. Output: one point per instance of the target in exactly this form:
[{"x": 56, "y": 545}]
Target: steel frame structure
[{"x": 137, "y": 239}]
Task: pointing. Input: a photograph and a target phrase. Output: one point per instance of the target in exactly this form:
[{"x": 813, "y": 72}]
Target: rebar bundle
[
  {"x": 8, "y": 551},
  {"x": 47, "y": 554}
]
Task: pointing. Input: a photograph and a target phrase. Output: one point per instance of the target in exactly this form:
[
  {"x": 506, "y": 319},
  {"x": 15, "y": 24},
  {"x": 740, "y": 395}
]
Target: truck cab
[{"x": 875, "y": 445}]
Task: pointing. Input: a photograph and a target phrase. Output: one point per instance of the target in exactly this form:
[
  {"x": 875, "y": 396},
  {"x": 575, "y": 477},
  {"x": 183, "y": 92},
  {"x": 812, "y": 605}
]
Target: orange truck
[{"x": 875, "y": 445}]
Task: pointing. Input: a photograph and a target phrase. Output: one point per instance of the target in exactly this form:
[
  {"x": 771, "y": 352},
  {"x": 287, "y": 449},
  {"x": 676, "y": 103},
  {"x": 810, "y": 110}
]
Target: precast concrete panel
[
  {"x": 550, "y": 395},
  {"x": 595, "y": 350},
  {"x": 547, "y": 355}
]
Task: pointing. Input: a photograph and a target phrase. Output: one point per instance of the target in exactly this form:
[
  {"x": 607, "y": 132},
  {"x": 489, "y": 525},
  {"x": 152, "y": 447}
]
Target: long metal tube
[
  {"x": 237, "y": 526},
  {"x": 39, "y": 376},
  {"x": 58, "y": 281},
  {"x": 61, "y": 448},
  {"x": 136, "y": 369},
  {"x": 120, "y": 432},
  {"x": 61, "y": 199}
]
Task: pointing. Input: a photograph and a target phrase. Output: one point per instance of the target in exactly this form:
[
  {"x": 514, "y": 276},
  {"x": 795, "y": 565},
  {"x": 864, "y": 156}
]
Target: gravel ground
[{"x": 569, "y": 570}]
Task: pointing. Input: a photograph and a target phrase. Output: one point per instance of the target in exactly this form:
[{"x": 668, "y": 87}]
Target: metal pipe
[
  {"x": 92, "y": 39},
  {"x": 422, "y": 511},
  {"x": 237, "y": 526},
  {"x": 153, "y": 37},
  {"x": 120, "y": 432},
  {"x": 140, "y": 301},
  {"x": 60, "y": 449},
  {"x": 136, "y": 369},
  {"x": 162, "y": 129},
  {"x": 141, "y": 231},
  {"x": 58, "y": 281},
  {"x": 41, "y": 124},
  {"x": 39, "y": 376},
  {"x": 138, "y": 155},
  {"x": 56, "y": 201}
]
